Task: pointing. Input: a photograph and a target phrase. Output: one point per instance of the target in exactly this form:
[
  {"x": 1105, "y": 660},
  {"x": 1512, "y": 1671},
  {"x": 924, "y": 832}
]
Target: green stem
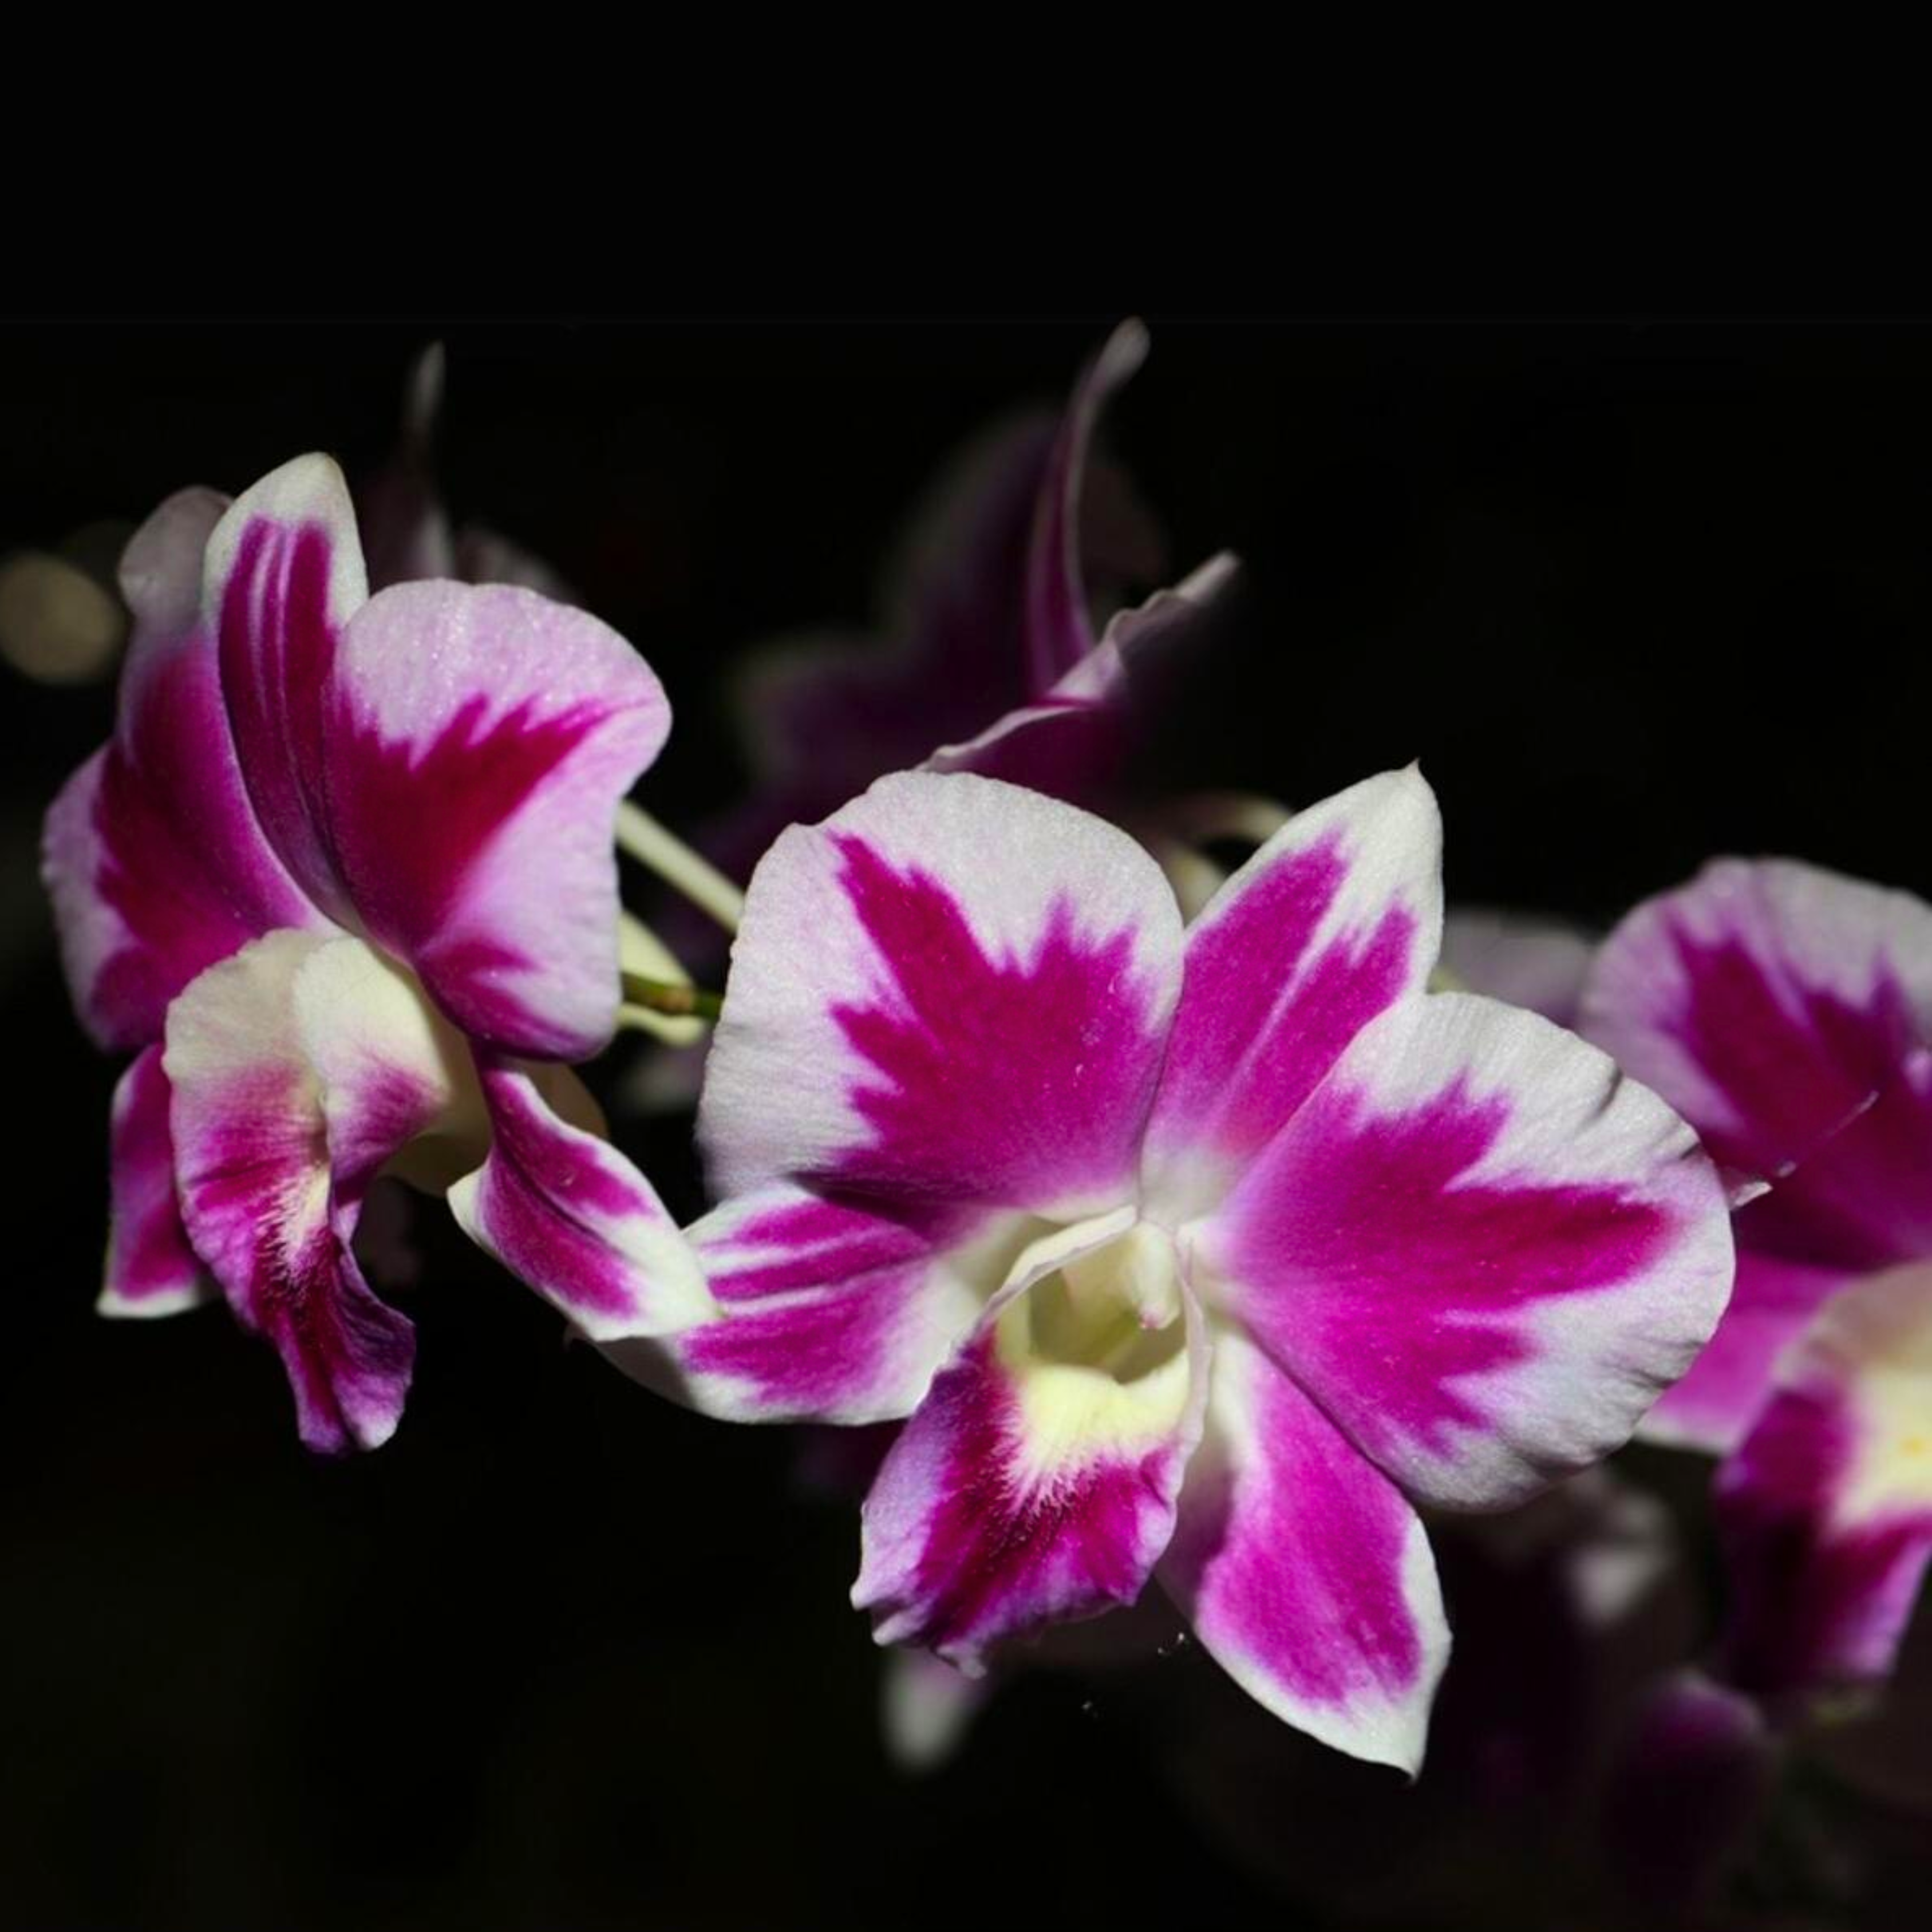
[
  {"x": 667, "y": 996},
  {"x": 652, "y": 845}
]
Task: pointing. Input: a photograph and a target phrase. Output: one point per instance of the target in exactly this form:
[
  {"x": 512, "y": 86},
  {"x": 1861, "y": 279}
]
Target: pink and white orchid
[
  {"x": 1787, "y": 1012},
  {"x": 1208, "y": 1253},
  {"x": 342, "y": 881}
]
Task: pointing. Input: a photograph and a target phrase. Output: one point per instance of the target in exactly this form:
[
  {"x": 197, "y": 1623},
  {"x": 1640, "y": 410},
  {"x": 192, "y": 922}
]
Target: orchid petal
[
  {"x": 1535, "y": 1245},
  {"x": 391, "y": 1073},
  {"x": 925, "y": 1709},
  {"x": 1786, "y": 1012},
  {"x": 160, "y": 570},
  {"x": 1306, "y": 1575},
  {"x": 482, "y": 740},
  {"x": 1332, "y": 921},
  {"x": 1825, "y": 1512},
  {"x": 832, "y": 1310},
  {"x": 1037, "y": 1482},
  {"x": 153, "y": 856},
  {"x": 272, "y": 1163},
  {"x": 1064, "y": 747},
  {"x": 945, "y": 1028},
  {"x": 822, "y": 715},
  {"x": 1714, "y": 1405},
  {"x": 1058, "y": 632},
  {"x": 439, "y": 766},
  {"x": 283, "y": 576},
  {"x": 1070, "y": 742},
  {"x": 1687, "y": 1794},
  {"x": 151, "y": 1269},
  {"x": 991, "y": 560},
  {"x": 1524, "y": 962},
  {"x": 566, "y": 1213}
]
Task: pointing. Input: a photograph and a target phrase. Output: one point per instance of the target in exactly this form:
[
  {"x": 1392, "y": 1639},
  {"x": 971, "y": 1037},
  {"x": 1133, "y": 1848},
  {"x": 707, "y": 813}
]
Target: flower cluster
[
  {"x": 1185, "y": 1232},
  {"x": 1787, "y": 1012}
]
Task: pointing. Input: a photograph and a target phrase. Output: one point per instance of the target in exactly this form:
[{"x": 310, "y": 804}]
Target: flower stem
[
  {"x": 667, "y": 996},
  {"x": 648, "y": 842}
]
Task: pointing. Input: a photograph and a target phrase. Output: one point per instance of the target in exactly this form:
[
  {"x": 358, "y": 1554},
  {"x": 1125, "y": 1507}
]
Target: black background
[{"x": 562, "y": 1656}]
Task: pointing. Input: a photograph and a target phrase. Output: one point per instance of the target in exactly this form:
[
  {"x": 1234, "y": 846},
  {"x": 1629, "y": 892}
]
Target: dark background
[{"x": 562, "y": 1656}]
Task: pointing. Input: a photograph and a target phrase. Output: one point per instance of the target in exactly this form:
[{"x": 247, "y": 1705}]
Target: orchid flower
[
  {"x": 1214, "y": 1251},
  {"x": 992, "y": 653},
  {"x": 1787, "y": 1012},
  {"x": 343, "y": 882}
]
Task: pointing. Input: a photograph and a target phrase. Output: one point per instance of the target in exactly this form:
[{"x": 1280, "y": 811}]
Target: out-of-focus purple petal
[
  {"x": 1786, "y": 1012},
  {"x": 823, "y": 716},
  {"x": 1522, "y": 961},
  {"x": 1715, "y": 1404},
  {"x": 484, "y": 556},
  {"x": 926, "y": 1707},
  {"x": 406, "y": 533},
  {"x": 1059, "y": 629},
  {"x": 1686, "y": 1791},
  {"x": 1825, "y": 1511},
  {"x": 985, "y": 618},
  {"x": 1072, "y": 742}
]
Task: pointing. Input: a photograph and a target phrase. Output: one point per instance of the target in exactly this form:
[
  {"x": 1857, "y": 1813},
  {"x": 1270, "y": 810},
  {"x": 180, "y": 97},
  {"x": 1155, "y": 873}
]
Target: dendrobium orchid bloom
[
  {"x": 1214, "y": 1251},
  {"x": 1787, "y": 1012},
  {"x": 342, "y": 881}
]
